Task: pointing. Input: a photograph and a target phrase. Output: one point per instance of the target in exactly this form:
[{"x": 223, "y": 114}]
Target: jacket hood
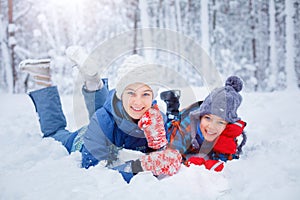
[
  {"x": 195, "y": 120},
  {"x": 206, "y": 146}
]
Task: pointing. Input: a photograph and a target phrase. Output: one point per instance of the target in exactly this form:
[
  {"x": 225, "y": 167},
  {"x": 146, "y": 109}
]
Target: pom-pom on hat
[
  {"x": 224, "y": 101},
  {"x": 135, "y": 69}
]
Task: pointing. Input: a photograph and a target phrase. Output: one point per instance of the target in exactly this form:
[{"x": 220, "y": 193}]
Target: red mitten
[
  {"x": 214, "y": 165},
  {"x": 165, "y": 162},
  {"x": 195, "y": 161},
  {"x": 209, "y": 164},
  {"x": 226, "y": 142},
  {"x": 152, "y": 124}
]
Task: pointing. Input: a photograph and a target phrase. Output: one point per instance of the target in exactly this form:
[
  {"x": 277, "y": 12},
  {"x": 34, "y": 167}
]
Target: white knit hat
[{"x": 135, "y": 69}]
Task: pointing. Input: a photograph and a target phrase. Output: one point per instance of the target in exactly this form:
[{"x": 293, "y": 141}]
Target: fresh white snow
[{"x": 36, "y": 168}]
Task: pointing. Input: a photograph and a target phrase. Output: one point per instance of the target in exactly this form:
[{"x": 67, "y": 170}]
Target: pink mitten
[
  {"x": 152, "y": 124},
  {"x": 165, "y": 162}
]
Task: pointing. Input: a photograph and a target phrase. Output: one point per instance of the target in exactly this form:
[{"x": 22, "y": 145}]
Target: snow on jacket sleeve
[
  {"x": 96, "y": 145},
  {"x": 88, "y": 159}
]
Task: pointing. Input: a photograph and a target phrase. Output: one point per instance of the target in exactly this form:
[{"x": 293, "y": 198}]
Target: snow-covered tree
[
  {"x": 297, "y": 40},
  {"x": 292, "y": 43},
  {"x": 257, "y": 40},
  {"x": 7, "y": 41}
]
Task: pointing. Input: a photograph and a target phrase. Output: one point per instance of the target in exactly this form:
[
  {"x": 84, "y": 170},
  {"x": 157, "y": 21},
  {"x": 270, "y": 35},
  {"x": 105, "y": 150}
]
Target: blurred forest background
[{"x": 255, "y": 39}]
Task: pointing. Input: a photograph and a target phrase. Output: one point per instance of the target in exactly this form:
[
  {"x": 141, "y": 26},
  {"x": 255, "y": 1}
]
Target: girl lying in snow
[{"x": 120, "y": 118}]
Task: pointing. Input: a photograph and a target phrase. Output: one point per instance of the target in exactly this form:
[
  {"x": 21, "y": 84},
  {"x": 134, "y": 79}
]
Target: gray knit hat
[{"x": 224, "y": 101}]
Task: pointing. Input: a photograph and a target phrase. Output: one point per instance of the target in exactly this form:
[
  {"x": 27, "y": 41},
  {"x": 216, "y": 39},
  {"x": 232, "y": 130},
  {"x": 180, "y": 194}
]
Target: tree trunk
[
  {"x": 6, "y": 73},
  {"x": 253, "y": 41},
  {"x": 11, "y": 42},
  {"x": 290, "y": 62},
  {"x": 297, "y": 41},
  {"x": 272, "y": 45},
  {"x": 136, "y": 21},
  {"x": 205, "y": 27}
]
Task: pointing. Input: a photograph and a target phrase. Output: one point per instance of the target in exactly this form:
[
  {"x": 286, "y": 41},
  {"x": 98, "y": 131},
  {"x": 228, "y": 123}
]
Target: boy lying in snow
[{"x": 206, "y": 132}]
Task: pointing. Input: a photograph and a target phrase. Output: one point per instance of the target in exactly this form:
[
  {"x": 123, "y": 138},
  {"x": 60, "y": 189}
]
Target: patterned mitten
[
  {"x": 165, "y": 162},
  {"x": 152, "y": 124}
]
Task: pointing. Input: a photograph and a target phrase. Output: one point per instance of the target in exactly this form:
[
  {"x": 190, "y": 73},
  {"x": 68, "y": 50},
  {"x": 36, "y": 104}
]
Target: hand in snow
[
  {"x": 152, "y": 124},
  {"x": 215, "y": 165},
  {"x": 165, "y": 162}
]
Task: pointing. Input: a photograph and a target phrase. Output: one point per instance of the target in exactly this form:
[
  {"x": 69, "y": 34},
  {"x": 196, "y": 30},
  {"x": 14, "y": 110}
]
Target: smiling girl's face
[
  {"x": 137, "y": 99},
  {"x": 212, "y": 126}
]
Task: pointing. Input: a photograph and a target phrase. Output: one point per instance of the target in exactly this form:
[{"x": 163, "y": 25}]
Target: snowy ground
[{"x": 36, "y": 168}]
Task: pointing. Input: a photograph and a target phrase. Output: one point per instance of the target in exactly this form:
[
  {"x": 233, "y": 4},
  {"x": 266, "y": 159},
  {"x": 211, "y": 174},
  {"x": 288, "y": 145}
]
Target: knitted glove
[
  {"x": 165, "y": 162},
  {"x": 226, "y": 143},
  {"x": 152, "y": 124},
  {"x": 209, "y": 164}
]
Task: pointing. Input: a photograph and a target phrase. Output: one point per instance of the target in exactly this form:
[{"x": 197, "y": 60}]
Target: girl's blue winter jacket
[{"x": 110, "y": 129}]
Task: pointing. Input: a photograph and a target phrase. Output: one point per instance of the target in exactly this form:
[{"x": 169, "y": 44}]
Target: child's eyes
[
  {"x": 130, "y": 93},
  {"x": 210, "y": 119},
  {"x": 207, "y": 117},
  {"x": 222, "y": 123},
  {"x": 146, "y": 94}
]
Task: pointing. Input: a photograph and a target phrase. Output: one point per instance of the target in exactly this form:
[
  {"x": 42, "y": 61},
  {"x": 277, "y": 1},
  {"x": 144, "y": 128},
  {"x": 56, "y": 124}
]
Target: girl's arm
[{"x": 96, "y": 146}]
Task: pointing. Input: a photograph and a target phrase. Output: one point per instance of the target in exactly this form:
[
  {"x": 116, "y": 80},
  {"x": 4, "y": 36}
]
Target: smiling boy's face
[
  {"x": 212, "y": 126},
  {"x": 137, "y": 99}
]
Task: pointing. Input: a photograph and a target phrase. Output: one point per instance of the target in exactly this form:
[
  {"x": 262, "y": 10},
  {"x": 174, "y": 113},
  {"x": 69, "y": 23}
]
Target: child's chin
[
  {"x": 210, "y": 138},
  {"x": 135, "y": 117}
]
